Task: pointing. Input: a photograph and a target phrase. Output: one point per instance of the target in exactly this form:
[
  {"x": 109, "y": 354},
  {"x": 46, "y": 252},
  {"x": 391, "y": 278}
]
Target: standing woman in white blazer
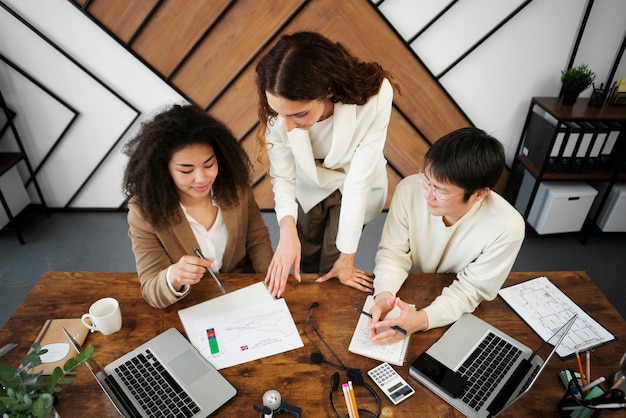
[{"x": 323, "y": 123}]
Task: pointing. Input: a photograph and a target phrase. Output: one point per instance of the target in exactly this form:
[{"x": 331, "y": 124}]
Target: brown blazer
[{"x": 248, "y": 249}]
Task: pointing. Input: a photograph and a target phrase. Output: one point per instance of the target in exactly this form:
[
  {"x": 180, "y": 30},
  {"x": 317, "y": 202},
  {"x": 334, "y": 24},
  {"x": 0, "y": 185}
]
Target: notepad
[
  {"x": 54, "y": 340},
  {"x": 360, "y": 344}
]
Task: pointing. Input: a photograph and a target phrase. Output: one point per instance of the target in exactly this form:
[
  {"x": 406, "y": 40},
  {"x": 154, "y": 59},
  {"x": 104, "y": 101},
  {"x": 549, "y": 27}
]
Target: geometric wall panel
[
  {"x": 67, "y": 156},
  {"x": 42, "y": 116},
  {"x": 455, "y": 62},
  {"x": 214, "y": 50}
]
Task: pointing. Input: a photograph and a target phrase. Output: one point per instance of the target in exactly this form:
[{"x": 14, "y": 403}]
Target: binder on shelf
[
  {"x": 541, "y": 130},
  {"x": 618, "y": 154},
  {"x": 556, "y": 153},
  {"x": 569, "y": 145},
  {"x": 592, "y": 159},
  {"x": 607, "y": 150},
  {"x": 582, "y": 147}
]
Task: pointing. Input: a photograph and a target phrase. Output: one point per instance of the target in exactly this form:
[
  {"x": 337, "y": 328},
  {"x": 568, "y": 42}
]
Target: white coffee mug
[{"x": 104, "y": 316}]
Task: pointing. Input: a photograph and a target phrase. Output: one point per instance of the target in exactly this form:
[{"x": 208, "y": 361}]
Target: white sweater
[{"x": 480, "y": 248}]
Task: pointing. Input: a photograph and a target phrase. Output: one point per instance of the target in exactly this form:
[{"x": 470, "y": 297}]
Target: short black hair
[{"x": 468, "y": 158}]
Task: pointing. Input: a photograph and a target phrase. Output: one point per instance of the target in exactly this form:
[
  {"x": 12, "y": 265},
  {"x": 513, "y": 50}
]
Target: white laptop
[
  {"x": 461, "y": 368},
  {"x": 164, "y": 377}
]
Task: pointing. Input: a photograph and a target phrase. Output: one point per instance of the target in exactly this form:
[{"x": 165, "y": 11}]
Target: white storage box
[
  {"x": 561, "y": 207},
  {"x": 612, "y": 218}
]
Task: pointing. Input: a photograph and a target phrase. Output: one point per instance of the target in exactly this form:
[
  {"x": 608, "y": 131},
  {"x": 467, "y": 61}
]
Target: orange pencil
[
  {"x": 349, "y": 404},
  {"x": 580, "y": 370},
  {"x": 353, "y": 399}
]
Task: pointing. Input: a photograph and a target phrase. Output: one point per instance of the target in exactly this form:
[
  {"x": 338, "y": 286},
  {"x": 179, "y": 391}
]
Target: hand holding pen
[
  {"x": 395, "y": 327},
  {"x": 215, "y": 279},
  {"x": 187, "y": 271},
  {"x": 380, "y": 328}
]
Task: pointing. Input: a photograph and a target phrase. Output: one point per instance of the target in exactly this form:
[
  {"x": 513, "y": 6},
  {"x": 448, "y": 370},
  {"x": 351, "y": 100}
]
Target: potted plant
[
  {"x": 26, "y": 394},
  {"x": 575, "y": 80}
]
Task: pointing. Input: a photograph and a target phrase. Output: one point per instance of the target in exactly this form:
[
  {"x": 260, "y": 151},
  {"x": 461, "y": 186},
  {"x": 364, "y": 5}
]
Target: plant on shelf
[
  {"x": 25, "y": 393},
  {"x": 574, "y": 81}
]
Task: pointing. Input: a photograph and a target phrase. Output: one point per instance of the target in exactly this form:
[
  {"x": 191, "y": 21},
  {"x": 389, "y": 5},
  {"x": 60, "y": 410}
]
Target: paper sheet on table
[
  {"x": 545, "y": 308},
  {"x": 245, "y": 334},
  {"x": 246, "y": 296}
]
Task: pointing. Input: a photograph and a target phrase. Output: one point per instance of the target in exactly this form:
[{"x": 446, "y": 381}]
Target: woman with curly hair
[
  {"x": 187, "y": 181},
  {"x": 323, "y": 123}
]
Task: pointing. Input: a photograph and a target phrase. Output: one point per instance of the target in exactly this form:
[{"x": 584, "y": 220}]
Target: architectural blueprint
[{"x": 545, "y": 308}]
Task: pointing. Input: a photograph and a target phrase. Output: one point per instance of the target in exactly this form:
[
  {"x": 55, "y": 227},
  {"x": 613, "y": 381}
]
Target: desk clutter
[
  {"x": 308, "y": 386},
  {"x": 584, "y": 396}
]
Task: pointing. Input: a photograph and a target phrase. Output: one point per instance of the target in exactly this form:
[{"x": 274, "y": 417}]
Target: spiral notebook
[{"x": 360, "y": 344}]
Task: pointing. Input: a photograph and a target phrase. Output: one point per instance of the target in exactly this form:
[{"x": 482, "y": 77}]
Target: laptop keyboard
[
  {"x": 154, "y": 388},
  {"x": 485, "y": 368}
]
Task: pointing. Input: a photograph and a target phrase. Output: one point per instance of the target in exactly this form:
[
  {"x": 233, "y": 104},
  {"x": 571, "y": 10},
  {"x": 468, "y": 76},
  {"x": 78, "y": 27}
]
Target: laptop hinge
[
  {"x": 511, "y": 384},
  {"x": 128, "y": 408}
]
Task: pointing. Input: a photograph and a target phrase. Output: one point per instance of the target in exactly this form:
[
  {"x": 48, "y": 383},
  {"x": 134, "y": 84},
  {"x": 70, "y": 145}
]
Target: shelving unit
[
  {"x": 562, "y": 143},
  {"x": 8, "y": 160}
]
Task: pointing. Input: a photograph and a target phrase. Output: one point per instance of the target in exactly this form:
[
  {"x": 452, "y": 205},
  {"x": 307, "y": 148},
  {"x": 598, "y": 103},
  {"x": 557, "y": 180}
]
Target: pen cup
[{"x": 104, "y": 316}]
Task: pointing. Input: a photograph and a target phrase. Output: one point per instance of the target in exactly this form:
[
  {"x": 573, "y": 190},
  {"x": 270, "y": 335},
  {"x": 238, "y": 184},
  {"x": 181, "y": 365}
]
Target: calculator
[{"x": 391, "y": 383}]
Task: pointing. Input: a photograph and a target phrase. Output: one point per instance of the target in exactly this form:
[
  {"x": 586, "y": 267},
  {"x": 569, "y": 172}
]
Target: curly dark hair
[
  {"x": 147, "y": 179},
  {"x": 308, "y": 66}
]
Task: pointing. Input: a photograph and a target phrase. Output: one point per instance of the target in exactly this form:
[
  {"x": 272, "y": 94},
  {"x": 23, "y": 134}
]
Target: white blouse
[
  {"x": 321, "y": 135},
  {"x": 213, "y": 241}
]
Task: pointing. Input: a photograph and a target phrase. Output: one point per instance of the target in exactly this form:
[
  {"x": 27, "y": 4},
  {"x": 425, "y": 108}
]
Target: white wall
[
  {"x": 524, "y": 58},
  {"x": 108, "y": 89},
  {"x": 493, "y": 85}
]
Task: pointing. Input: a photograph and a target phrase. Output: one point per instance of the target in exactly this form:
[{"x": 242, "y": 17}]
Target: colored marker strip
[{"x": 210, "y": 333}]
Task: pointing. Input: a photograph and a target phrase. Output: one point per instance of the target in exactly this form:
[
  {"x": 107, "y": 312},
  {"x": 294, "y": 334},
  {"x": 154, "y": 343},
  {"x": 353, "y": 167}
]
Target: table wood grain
[{"x": 300, "y": 382}]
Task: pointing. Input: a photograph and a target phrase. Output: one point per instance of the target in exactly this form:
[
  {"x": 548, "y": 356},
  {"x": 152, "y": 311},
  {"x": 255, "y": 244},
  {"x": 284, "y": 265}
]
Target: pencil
[
  {"x": 580, "y": 369},
  {"x": 588, "y": 366},
  {"x": 353, "y": 399},
  {"x": 617, "y": 383},
  {"x": 346, "y": 395}
]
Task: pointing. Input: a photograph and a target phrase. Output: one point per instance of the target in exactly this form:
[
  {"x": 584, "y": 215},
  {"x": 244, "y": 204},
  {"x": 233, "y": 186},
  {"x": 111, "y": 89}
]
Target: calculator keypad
[{"x": 391, "y": 383}]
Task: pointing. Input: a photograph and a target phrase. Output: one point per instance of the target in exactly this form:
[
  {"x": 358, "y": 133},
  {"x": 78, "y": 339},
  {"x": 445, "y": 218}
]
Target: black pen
[
  {"x": 395, "y": 327},
  {"x": 215, "y": 279}
]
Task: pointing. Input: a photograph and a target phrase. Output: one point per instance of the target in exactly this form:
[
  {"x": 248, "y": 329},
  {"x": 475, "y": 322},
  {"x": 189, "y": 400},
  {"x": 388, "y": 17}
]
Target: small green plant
[
  {"x": 26, "y": 394},
  {"x": 577, "y": 79}
]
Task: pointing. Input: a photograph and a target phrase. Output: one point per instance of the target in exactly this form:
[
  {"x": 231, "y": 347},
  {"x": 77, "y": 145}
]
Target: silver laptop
[
  {"x": 164, "y": 377},
  {"x": 479, "y": 369}
]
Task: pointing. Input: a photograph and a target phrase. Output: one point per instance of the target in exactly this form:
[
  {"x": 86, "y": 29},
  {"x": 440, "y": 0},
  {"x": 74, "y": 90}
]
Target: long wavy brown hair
[
  {"x": 147, "y": 179},
  {"x": 308, "y": 66}
]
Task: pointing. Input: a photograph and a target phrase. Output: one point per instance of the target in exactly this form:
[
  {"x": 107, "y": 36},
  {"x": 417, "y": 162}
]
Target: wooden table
[{"x": 300, "y": 382}]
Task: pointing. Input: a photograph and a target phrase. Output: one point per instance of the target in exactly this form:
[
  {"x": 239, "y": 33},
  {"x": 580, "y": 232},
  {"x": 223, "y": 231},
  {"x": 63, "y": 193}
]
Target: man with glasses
[{"x": 446, "y": 219}]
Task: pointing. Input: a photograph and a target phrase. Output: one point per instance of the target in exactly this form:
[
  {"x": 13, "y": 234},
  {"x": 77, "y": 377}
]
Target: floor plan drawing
[{"x": 545, "y": 308}]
